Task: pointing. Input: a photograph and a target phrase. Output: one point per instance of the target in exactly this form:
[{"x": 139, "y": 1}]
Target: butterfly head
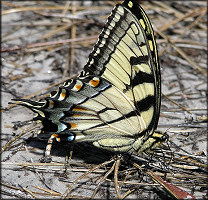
[{"x": 157, "y": 138}]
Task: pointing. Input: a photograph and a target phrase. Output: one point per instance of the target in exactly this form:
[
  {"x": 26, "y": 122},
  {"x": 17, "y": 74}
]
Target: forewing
[{"x": 126, "y": 55}]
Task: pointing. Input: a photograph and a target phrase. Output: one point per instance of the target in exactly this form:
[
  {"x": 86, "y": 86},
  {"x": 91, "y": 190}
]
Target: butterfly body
[{"x": 115, "y": 101}]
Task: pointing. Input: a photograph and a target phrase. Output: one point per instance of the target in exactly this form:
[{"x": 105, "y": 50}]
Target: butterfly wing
[
  {"x": 115, "y": 100},
  {"x": 126, "y": 55}
]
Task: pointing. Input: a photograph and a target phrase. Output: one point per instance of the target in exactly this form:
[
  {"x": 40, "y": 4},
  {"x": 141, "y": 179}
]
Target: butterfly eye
[{"x": 165, "y": 137}]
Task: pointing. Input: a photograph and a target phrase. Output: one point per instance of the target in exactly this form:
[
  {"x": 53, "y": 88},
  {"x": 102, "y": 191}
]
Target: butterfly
[{"x": 115, "y": 101}]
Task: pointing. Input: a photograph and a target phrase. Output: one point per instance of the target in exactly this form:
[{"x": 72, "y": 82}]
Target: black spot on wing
[
  {"x": 145, "y": 104},
  {"x": 142, "y": 77},
  {"x": 138, "y": 60}
]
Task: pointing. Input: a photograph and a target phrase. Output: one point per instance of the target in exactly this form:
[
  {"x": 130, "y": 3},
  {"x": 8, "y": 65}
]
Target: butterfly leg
[{"x": 47, "y": 158}]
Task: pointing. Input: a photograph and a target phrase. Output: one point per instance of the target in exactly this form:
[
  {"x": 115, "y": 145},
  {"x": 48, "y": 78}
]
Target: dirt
[{"x": 30, "y": 71}]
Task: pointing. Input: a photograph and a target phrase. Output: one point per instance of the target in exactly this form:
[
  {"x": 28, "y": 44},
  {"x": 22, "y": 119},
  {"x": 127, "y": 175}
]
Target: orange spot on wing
[
  {"x": 51, "y": 104},
  {"x": 63, "y": 95},
  {"x": 78, "y": 87},
  {"x": 94, "y": 82},
  {"x": 78, "y": 108},
  {"x": 56, "y": 136},
  {"x": 76, "y": 115},
  {"x": 73, "y": 125}
]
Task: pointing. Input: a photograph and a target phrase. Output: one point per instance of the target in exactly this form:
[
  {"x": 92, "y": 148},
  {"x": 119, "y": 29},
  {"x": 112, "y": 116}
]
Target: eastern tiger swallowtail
[{"x": 115, "y": 101}]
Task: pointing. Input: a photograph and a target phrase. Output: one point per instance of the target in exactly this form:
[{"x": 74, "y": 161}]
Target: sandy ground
[{"x": 27, "y": 71}]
